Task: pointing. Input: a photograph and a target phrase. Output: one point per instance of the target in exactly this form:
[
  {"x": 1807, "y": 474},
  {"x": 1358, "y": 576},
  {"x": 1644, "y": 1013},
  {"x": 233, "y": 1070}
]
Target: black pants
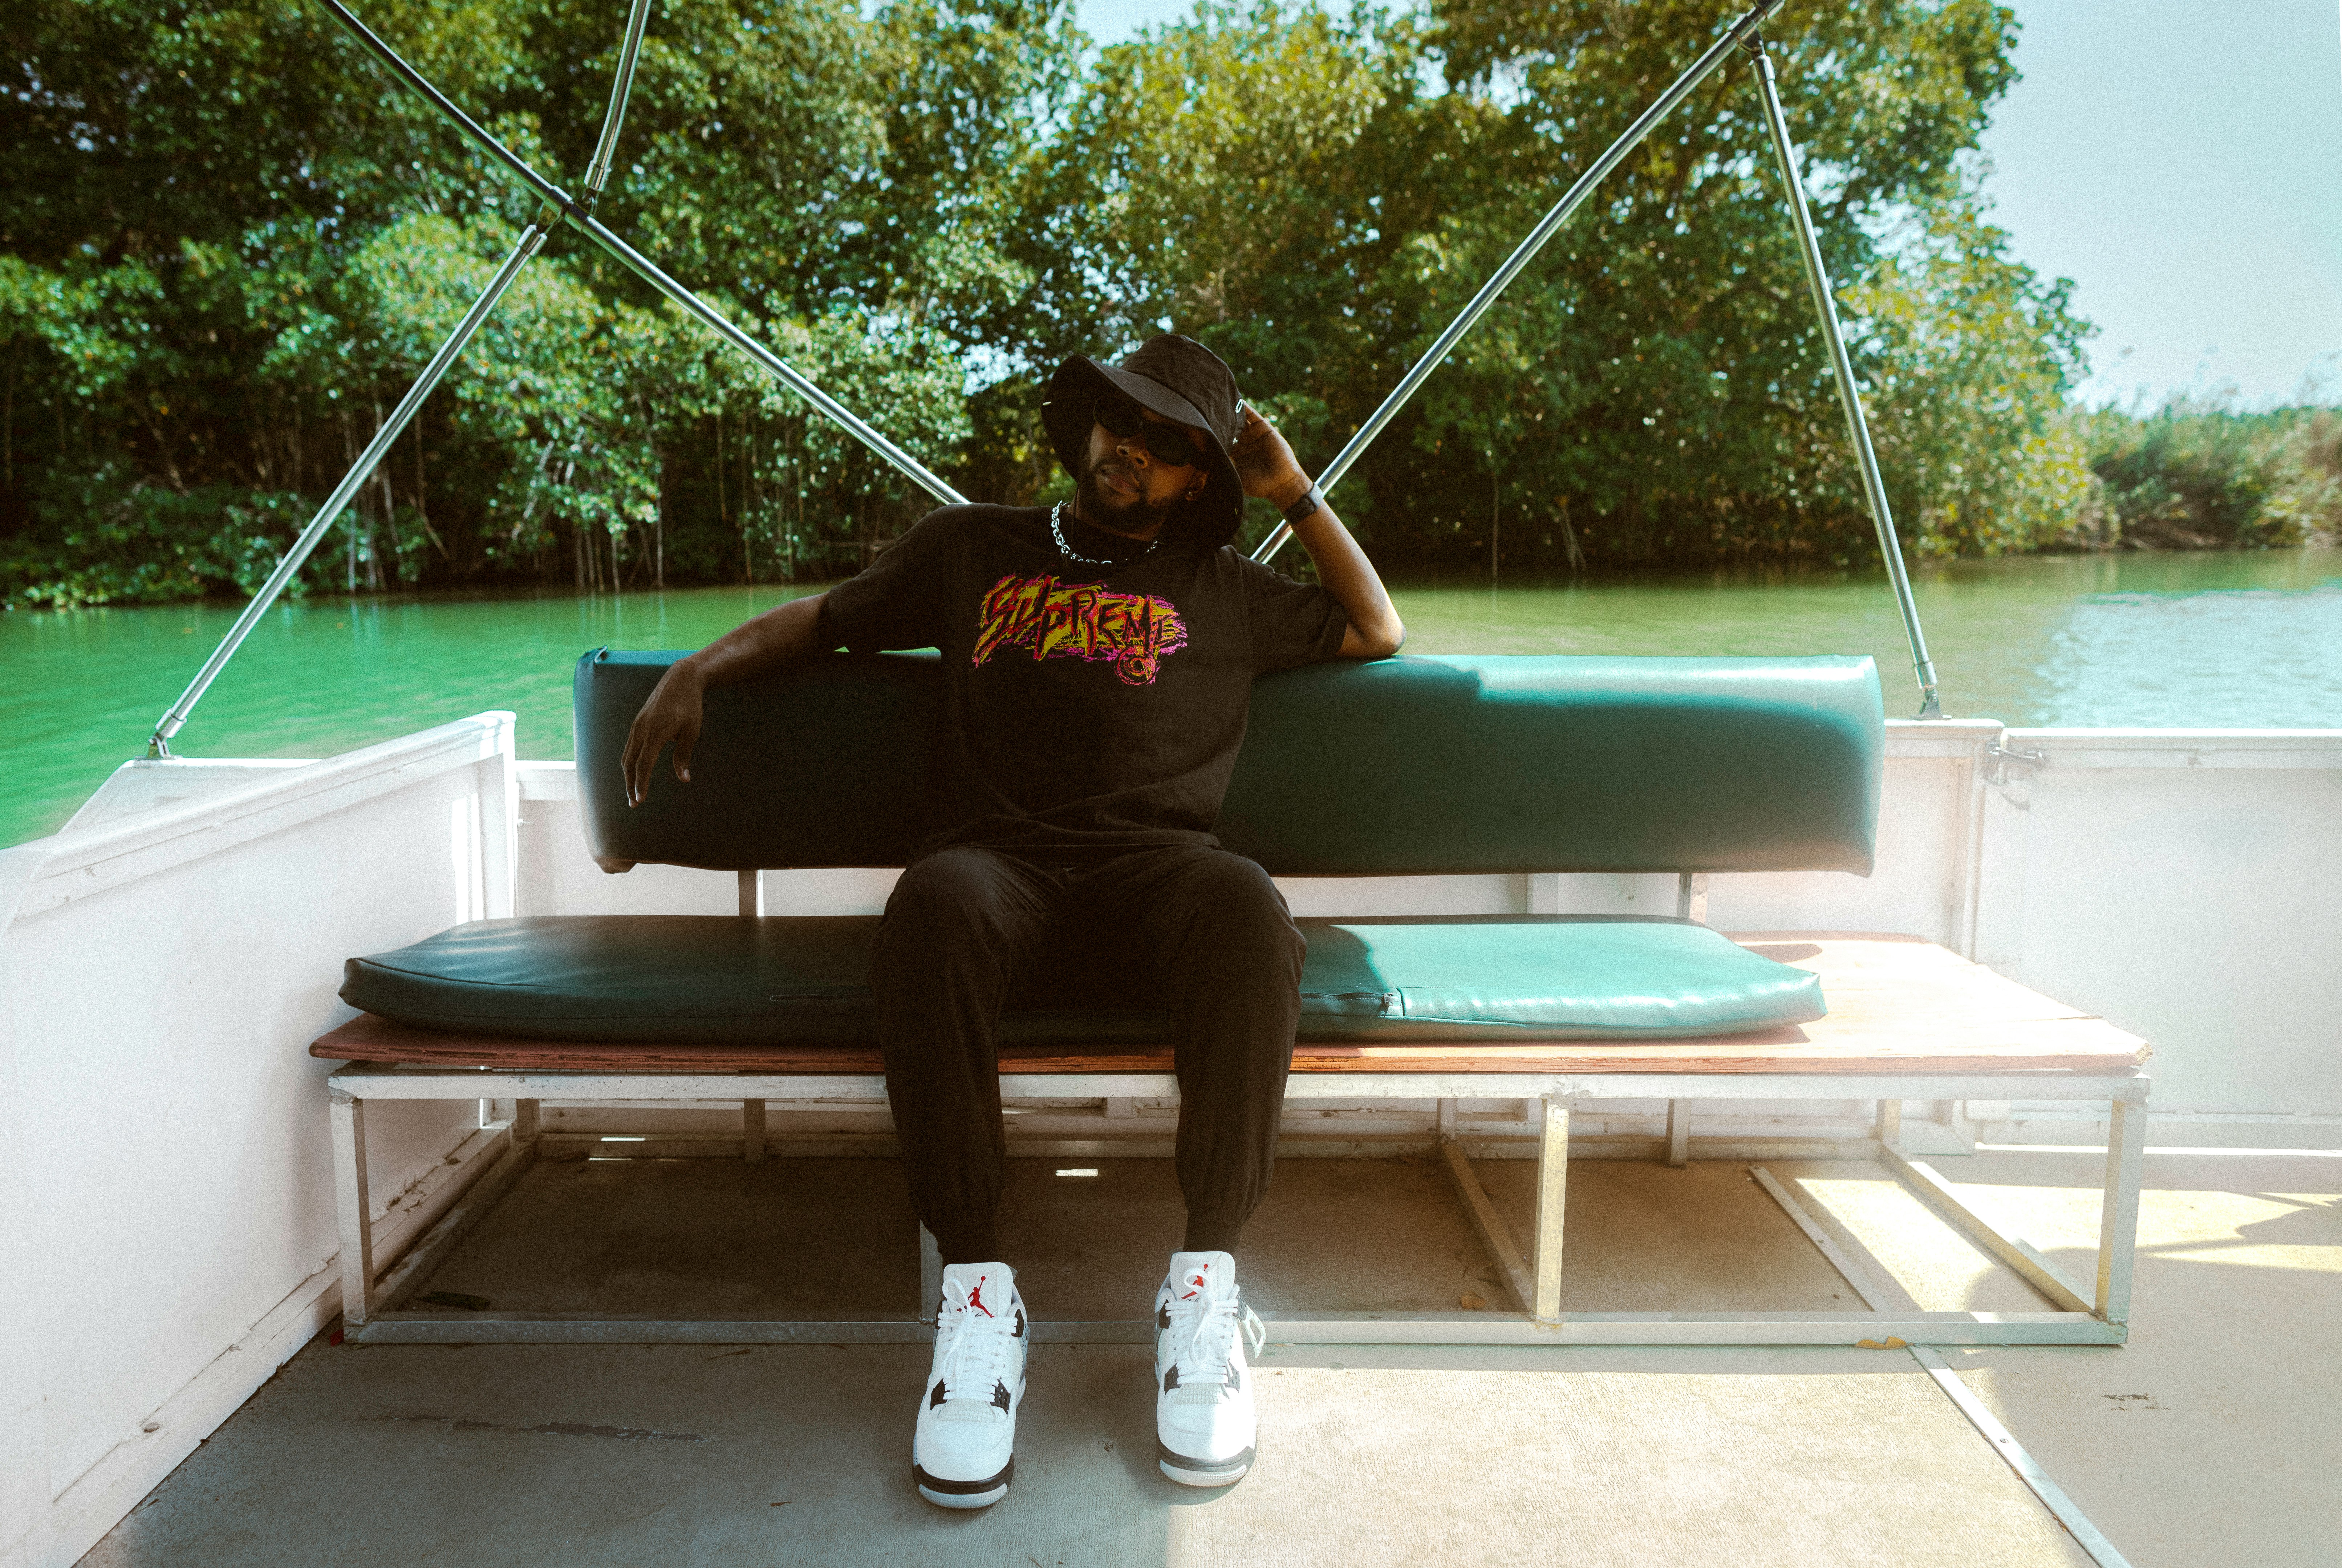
[{"x": 1200, "y": 931}]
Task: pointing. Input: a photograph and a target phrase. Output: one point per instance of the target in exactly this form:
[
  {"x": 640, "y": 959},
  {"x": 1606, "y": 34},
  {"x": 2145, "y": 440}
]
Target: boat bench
[{"x": 1404, "y": 767}]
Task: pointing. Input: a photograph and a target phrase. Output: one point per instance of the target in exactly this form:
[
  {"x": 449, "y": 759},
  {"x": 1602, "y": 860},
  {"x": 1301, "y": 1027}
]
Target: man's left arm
[{"x": 1266, "y": 463}]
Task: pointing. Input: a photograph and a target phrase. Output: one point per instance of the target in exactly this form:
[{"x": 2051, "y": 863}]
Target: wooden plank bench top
[{"x": 1897, "y": 1004}]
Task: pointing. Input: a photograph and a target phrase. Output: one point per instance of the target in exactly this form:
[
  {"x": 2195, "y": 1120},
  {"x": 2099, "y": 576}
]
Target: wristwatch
[{"x": 1301, "y": 511}]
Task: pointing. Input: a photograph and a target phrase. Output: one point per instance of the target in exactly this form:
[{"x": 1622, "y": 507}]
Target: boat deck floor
[{"x": 2206, "y": 1441}]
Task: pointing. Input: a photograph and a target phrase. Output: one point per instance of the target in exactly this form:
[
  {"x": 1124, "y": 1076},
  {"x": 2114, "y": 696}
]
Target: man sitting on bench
[{"x": 1099, "y": 656}]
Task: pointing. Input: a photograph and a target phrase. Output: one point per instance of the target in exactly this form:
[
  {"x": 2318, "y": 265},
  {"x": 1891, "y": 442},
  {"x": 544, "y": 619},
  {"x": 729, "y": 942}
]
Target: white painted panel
[
  {"x": 1534, "y": 892},
  {"x": 1923, "y": 883},
  {"x": 1918, "y": 886},
  {"x": 835, "y": 890},
  {"x": 146, "y": 783},
  {"x": 2188, "y": 889},
  {"x": 24, "y": 1489},
  {"x": 1500, "y": 893},
  {"x": 181, "y": 1006},
  {"x": 170, "y": 1166},
  {"x": 557, "y": 877}
]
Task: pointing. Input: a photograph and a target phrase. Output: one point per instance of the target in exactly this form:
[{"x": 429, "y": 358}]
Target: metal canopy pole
[
  {"x": 1874, "y": 487},
  {"x": 622, "y": 86},
  {"x": 532, "y": 240},
  {"x": 583, "y": 220},
  {"x": 1572, "y": 199}
]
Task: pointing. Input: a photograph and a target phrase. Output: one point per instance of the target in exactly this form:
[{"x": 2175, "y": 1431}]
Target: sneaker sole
[
  {"x": 1189, "y": 1471},
  {"x": 963, "y": 1494}
]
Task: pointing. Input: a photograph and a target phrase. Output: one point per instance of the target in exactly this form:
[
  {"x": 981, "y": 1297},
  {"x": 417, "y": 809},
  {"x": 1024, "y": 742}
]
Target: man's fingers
[
  {"x": 642, "y": 750},
  {"x": 687, "y": 738},
  {"x": 672, "y": 714},
  {"x": 649, "y": 737}
]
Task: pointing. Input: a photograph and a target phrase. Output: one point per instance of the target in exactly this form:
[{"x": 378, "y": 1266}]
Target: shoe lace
[
  {"x": 975, "y": 1351},
  {"x": 1211, "y": 1339}
]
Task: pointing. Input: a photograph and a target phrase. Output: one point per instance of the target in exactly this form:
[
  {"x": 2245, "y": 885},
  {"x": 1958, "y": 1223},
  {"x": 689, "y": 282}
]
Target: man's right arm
[{"x": 789, "y": 630}]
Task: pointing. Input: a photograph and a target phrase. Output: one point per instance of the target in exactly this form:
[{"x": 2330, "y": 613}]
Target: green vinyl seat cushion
[{"x": 802, "y": 980}]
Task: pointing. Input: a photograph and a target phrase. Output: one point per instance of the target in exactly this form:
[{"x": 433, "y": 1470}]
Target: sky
[{"x": 2181, "y": 161}]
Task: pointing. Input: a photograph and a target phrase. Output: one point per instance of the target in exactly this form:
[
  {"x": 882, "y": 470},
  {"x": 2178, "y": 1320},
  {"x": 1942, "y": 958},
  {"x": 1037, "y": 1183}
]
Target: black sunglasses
[{"x": 1119, "y": 417}]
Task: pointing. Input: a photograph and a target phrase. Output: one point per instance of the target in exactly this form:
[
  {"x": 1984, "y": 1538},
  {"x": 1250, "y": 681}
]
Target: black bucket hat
[{"x": 1179, "y": 379}]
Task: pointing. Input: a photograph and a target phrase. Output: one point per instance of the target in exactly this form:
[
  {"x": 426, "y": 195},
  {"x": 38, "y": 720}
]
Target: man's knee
[
  {"x": 1246, "y": 891},
  {"x": 1237, "y": 910},
  {"x": 952, "y": 901},
  {"x": 949, "y": 887}
]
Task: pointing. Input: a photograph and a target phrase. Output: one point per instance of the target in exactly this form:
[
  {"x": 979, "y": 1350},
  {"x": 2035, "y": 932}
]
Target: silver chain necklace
[{"x": 1057, "y": 532}]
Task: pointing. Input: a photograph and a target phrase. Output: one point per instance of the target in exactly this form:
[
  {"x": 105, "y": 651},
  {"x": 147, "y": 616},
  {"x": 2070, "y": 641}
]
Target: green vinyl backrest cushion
[{"x": 1443, "y": 763}]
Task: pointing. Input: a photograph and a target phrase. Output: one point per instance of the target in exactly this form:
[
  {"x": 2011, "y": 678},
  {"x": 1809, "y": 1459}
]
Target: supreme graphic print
[{"x": 1134, "y": 633}]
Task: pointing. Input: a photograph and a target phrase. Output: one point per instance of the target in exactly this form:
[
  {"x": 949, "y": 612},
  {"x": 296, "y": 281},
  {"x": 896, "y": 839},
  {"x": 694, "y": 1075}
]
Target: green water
[{"x": 2252, "y": 640}]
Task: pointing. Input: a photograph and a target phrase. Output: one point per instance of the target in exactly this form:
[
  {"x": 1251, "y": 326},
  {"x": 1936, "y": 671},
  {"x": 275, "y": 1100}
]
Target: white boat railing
[
  {"x": 168, "y": 1232},
  {"x": 165, "y": 1166}
]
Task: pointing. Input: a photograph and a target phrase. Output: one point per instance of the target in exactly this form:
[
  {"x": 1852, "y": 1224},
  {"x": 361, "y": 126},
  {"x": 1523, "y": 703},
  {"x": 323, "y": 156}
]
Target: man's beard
[{"x": 1101, "y": 509}]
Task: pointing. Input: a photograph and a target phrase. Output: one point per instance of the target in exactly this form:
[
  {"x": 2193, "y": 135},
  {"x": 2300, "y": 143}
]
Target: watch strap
[{"x": 1301, "y": 511}]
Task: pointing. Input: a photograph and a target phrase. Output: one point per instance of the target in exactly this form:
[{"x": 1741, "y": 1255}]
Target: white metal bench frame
[{"x": 373, "y": 1299}]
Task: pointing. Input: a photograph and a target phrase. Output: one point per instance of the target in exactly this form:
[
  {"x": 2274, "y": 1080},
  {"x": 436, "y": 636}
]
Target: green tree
[
  {"x": 229, "y": 240},
  {"x": 1654, "y": 388},
  {"x": 234, "y": 240},
  {"x": 2197, "y": 475}
]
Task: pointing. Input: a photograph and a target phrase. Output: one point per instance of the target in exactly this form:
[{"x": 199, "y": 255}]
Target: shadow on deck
[{"x": 2203, "y": 1442}]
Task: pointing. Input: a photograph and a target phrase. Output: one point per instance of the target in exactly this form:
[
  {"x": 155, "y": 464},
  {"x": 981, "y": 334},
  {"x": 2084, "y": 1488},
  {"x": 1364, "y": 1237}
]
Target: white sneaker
[
  {"x": 964, "y": 1445},
  {"x": 1206, "y": 1424}
]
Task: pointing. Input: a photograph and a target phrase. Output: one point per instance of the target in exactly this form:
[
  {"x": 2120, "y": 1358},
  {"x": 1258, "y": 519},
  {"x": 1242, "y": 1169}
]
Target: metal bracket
[
  {"x": 1691, "y": 895},
  {"x": 1999, "y": 758}
]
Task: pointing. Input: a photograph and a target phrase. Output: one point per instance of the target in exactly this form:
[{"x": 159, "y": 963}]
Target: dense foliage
[
  {"x": 228, "y": 242},
  {"x": 2199, "y": 475}
]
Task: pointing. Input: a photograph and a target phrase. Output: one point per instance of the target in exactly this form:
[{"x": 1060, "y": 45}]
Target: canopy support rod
[
  {"x": 532, "y": 239},
  {"x": 1718, "y": 53},
  {"x": 642, "y": 267},
  {"x": 622, "y": 86},
  {"x": 585, "y": 223},
  {"x": 1850, "y": 398}
]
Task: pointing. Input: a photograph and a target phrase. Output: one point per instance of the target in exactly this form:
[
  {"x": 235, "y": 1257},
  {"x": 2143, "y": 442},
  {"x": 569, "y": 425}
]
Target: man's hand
[
  {"x": 672, "y": 714},
  {"x": 1266, "y": 463},
  {"x": 1269, "y": 471},
  {"x": 786, "y": 631}
]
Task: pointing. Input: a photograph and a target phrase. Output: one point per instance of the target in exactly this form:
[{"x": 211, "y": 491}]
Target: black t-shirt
[{"x": 1089, "y": 709}]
